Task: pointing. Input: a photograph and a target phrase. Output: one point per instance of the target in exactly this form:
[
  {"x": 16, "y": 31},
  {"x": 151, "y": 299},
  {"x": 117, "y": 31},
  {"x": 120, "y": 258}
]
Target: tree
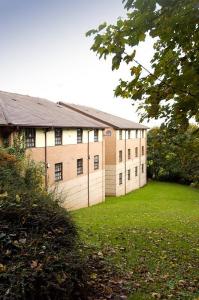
[
  {"x": 174, "y": 157},
  {"x": 171, "y": 89}
]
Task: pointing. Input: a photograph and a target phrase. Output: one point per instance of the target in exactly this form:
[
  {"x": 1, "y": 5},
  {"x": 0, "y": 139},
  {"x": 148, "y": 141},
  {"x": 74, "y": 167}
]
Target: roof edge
[{"x": 70, "y": 106}]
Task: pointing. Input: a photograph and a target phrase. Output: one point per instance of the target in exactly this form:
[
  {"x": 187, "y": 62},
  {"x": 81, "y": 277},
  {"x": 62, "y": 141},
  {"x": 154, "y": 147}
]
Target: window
[
  {"x": 142, "y": 150},
  {"x": 136, "y": 134},
  {"x": 96, "y": 162},
  {"x": 80, "y": 166},
  {"x": 79, "y": 135},
  {"x": 120, "y": 156},
  {"x": 30, "y": 137},
  {"x": 120, "y": 178},
  {"x": 129, "y": 174},
  {"x": 129, "y": 153},
  {"x": 142, "y": 168},
  {"x": 120, "y": 134},
  {"x": 129, "y": 134},
  {"x": 136, "y": 171},
  {"x": 58, "y": 172},
  {"x": 136, "y": 151},
  {"x": 58, "y": 136},
  {"x": 96, "y": 135},
  {"x": 142, "y": 133}
]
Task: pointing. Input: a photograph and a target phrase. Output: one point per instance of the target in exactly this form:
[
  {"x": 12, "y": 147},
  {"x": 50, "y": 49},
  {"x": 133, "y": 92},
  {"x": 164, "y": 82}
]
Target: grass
[{"x": 152, "y": 235}]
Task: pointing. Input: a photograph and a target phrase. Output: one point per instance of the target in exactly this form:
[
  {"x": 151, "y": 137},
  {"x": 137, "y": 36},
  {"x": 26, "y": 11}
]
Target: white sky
[{"x": 45, "y": 53}]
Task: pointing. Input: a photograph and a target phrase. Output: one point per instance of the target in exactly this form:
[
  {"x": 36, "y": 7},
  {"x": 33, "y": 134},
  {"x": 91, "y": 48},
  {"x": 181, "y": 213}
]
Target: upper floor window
[
  {"x": 58, "y": 136},
  {"x": 30, "y": 137},
  {"x": 129, "y": 134},
  {"x": 58, "y": 172},
  {"x": 142, "y": 168},
  {"x": 143, "y": 133},
  {"x": 136, "y": 133},
  {"x": 120, "y": 134},
  {"x": 79, "y": 135},
  {"x": 129, "y": 153},
  {"x": 120, "y": 178},
  {"x": 136, "y": 171},
  {"x": 96, "y": 135},
  {"x": 96, "y": 162},
  {"x": 129, "y": 174},
  {"x": 80, "y": 166},
  {"x": 142, "y": 150},
  {"x": 120, "y": 155},
  {"x": 136, "y": 151}
]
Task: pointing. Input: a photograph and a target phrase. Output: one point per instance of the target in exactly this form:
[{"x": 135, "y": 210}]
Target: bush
[{"x": 39, "y": 244}]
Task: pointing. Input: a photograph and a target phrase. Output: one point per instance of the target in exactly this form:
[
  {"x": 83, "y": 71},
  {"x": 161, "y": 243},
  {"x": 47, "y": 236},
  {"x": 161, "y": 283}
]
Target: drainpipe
[
  {"x": 125, "y": 163},
  {"x": 46, "y": 165},
  {"x": 140, "y": 152},
  {"x": 103, "y": 165},
  {"x": 88, "y": 166}
]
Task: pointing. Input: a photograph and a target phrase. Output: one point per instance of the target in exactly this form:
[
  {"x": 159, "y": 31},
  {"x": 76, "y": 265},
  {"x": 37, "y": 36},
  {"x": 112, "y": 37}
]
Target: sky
[{"x": 44, "y": 53}]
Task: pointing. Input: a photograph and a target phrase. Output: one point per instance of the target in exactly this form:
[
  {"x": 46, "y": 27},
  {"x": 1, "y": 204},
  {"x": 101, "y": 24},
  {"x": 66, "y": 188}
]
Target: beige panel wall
[
  {"x": 136, "y": 181},
  {"x": 110, "y": 180},
  {"x": 75, "y": 191},
  {"x": 69, "y": 137}
]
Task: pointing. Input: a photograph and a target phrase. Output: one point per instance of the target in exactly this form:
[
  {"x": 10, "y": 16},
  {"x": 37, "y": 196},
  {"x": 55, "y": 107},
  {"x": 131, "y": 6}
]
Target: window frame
[
  {"x": 136, "y": 133},
  {"x": 136, "y": 171},
  {"x": 58, "y": 138},
  {"x": 120, "y": 156},
  {"x": 129, "y": 134},
  {"x": 96, "y": 135},
  {"x": 120, "y": 134},
  {"x": 142, "y": 133},
  {"x": 129, "y": 153},
  {"x": 96, "y": 162},
  {"x": 30, "y": 141},
  {"x": 136, "y": 151},
  {"x": 120, "y": 178},
  {"x": 58, "y": 173},
  {"x": 129, "y": 174},
  {"x": 79, "y": 135},
  {"x": 80, "y": 168},
  {"x": 142, "y": 150},
  {"x": 142, "y": 168}
]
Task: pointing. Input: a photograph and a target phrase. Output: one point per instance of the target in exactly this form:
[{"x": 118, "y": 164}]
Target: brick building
[
  {"x": 125, "y": 150},
  {"x": 69, "y": 144},
  {"x": 86, "y": 153}
]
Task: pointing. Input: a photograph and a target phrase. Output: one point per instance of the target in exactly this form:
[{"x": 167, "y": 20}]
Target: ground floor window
[
  {"x": 142, "y": 168},
  {"x": 58, "y": 172},
  {"x": 96, "y": 162},
  {"x": 129, "y": 174},
  {"x": 120, "y": 178},
  {"x": 136, "y": 171},
  {"x": 80, "y": 166}
]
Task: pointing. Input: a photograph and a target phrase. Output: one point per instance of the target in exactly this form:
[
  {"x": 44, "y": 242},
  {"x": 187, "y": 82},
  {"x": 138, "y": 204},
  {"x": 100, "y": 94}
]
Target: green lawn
[{"x": 152, "y": 235}]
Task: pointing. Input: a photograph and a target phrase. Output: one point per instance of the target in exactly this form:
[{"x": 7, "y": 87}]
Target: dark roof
[
  {"x": 108, "y": 119},
  {"x": 21, "y": 110}
]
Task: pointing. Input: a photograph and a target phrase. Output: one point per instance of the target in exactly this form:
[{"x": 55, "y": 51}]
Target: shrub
[{"x": 39, "y": 244}]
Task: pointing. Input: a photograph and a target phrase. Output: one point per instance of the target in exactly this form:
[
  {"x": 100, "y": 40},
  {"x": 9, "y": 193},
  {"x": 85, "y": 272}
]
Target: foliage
[
  {"x": 40, "y": 256},
  {"x": 174, "y": 156},
  {"x": 170, "y": 90},
  {"x": 18, "y": 148},
  {"x": 19, "y": 175},
  {"x": 152, "y": 235}
]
